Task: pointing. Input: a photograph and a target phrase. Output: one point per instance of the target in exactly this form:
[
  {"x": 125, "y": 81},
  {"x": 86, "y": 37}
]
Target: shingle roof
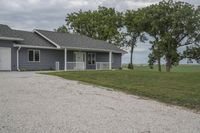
[
  {"x": 31, "y": 39},
  {"x": 64, "y": 40},
  {"x": 67, "y": 40},
  {"x": 7, "y": 32}
]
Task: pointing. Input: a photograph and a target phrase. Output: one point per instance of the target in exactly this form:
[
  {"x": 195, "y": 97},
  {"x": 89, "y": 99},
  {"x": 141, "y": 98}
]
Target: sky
[{"x": 50, "y": 14}]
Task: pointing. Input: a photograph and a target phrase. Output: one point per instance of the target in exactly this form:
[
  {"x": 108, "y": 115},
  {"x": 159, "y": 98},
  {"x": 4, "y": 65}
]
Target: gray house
[{"x": 48, "y": 50}]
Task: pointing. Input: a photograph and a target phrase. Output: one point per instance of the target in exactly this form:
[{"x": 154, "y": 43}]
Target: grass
[
  {"x": 180, "y": 87},
  {"x": 180, "y": 68}
]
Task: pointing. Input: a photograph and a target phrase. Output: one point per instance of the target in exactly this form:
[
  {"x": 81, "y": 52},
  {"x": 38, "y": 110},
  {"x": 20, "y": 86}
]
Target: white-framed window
[
  {"x": 33, "y": 55},
  {"x": 91, "y": 58}
]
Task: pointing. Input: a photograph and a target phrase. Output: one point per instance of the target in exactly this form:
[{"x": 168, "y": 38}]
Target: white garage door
[{"x": 5, "y": 58}]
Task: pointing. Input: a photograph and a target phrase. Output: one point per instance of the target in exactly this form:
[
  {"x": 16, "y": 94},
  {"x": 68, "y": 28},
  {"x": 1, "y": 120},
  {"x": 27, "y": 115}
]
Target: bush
[
  {"x": 120, "y": 68},
  {"x": 130, "y": 66}
]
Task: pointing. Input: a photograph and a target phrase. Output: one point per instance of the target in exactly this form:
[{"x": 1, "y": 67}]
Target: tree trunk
[
  {"x": 130, "y": 66},
  {"x": 159, "y": 64},
  {"x": 131, "y": 59},
  {"x": 168, "y": 64}
]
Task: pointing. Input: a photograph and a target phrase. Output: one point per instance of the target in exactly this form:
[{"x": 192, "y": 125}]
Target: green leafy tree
[
  {"x": 62, "y": 29},
  {"x": 192, "y": 53},
  {"x": 153, "y": 20},
  {"x": 173, "y": 25},
  {"x": 133, "y": 32},
  {"x": 102, "y": 24},
  {"x": 151, "y": 60}
]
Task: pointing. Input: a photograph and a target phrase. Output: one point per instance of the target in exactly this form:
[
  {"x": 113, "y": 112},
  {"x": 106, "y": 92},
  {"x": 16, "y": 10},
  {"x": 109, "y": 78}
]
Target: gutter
[
  {"x": 70, "y": 48},
  {"x": 11, "y": 38},
  {"x": 30, "y": 46},
  {"x": 18, "y": 58}
]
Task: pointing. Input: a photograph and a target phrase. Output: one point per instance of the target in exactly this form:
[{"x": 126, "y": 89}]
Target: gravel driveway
[{"x": 34, "y": 103}]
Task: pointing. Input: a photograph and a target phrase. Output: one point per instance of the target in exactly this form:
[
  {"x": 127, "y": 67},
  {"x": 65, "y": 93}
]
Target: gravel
[{"x": 34, "y": 103}]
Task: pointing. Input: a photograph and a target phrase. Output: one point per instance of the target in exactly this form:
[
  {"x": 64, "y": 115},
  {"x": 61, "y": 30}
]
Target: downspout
[{"x": 18, "y": 58}]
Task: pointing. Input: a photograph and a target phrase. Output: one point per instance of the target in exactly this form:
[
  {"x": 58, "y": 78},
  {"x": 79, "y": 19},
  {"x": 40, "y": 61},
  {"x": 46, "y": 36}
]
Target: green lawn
[{"x": 180, "y": 87}]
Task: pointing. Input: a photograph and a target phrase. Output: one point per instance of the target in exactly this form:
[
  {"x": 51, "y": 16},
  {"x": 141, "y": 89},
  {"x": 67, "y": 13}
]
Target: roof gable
[
  {"x": 6, "y": 33},
  {"x": 67, "y": 40},
  {"x": 31, "y": 39}
]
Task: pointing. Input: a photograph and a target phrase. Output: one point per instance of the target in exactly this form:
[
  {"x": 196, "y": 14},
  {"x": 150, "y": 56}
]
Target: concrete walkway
[{"x": 33, "y": 103}]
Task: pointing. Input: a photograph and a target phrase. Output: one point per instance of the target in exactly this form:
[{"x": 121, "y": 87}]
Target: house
[{"x": 48, "y": 50}]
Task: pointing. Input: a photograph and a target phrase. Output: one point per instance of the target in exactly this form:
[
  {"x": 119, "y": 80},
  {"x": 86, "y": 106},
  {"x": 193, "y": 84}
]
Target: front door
[
  {"x": 80, "y": 60},
  {"x": 5, "y": 58},
  {"x": 91, "y": 61}
]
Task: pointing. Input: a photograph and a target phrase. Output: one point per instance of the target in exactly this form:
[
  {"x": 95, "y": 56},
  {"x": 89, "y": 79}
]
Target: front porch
[{"x": 87, "y": 60}]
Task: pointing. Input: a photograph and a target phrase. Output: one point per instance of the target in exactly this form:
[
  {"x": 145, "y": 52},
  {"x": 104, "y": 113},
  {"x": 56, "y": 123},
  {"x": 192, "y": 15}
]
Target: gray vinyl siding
[
  {"x": 9, "y": 44},
  {"x": 48, "y": 57},
  {"x": 117, "y": 60},
  {"x": 102, "y": 57}
]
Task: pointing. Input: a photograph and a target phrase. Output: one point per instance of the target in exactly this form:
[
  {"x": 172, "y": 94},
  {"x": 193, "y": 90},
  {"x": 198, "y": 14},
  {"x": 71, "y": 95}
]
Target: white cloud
[
  {"x": 33, "y": 1},
  {"x": 78, "y": 3}
]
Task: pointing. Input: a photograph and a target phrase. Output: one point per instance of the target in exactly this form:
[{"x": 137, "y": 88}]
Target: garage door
[{"x": 5, "y": 58}]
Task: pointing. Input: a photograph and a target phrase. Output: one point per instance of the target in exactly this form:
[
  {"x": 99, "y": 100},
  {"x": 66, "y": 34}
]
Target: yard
[{"x": 180, "y": 87}]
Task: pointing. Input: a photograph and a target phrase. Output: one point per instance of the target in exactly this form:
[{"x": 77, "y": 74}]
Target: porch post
[
  {"x": 110, "y": 60},
  {"x": 65, "y": 60}
]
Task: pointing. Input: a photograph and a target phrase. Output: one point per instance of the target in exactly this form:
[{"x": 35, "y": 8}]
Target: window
[
  {"x": 30, "y": 53},
  {"x": 37, "y": 55},
  {"x": 91, "y": 58},
  {"x": 34, "y": 55}
]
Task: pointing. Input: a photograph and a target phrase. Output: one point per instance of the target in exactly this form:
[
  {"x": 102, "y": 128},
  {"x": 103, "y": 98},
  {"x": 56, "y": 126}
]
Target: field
[
  {"x": 180, "y": 68},
  {"x": 180, "y": 87}
]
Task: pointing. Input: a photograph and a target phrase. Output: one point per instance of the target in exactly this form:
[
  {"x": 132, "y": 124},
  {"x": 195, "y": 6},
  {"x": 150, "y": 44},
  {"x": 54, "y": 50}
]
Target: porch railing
[
  {"x": 75, "y": 65},
  {"x": 102, "y": 65},
  {"x": 81, "y": 66}
]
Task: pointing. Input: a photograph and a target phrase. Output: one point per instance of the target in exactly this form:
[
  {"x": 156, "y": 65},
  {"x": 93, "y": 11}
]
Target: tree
[
  {"x": 62, "y": 29},
  {"x": 151, "y": 60},
  {"x": 192, "y": 53},
  {"x": 175, "y": 25},
  {"x": 102, "y": 24},
  {"x": 153, "y": 20},
  {"x": 133, "y": 32}
]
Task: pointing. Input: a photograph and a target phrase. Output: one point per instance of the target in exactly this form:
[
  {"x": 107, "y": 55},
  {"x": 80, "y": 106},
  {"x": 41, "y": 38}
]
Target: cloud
[
  {"x": 49, "y": 14},
  {"x": 78, "y": 3}
]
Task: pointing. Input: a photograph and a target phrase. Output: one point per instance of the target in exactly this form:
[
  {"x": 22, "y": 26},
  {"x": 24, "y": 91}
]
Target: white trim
[
  {"x": 18, "y": 58},
  {"x": 110, "y": 60},
  {"x": 85, "y": 60},
  {"x": 65, "y": 60},
  {"x": 29, "y": 46},
  {"x": 58, "y": 46},
  {"x": 69, "y": 48},
  {"x": 11, "y": 38},
  {"x": 34, "y": 50},
  {"x": 93, "y": 49}
]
